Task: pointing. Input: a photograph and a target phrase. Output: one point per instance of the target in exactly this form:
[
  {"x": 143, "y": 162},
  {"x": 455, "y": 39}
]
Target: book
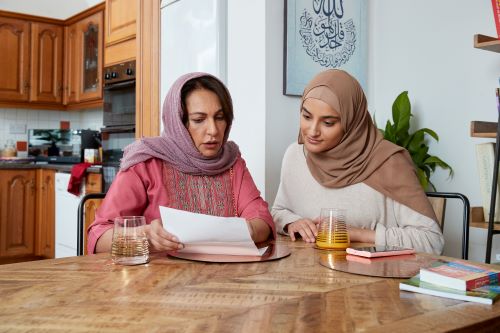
[
  {"x": 458, "y": 275},
  {"x": 485, "y": 158},
  {"x": 484, "y": 295},
  {"x": 496, "y": 14}
]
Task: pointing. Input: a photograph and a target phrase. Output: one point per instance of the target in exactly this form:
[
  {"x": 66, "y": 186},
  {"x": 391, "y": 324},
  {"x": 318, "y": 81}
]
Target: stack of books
[{"x": 456, "y": 280}]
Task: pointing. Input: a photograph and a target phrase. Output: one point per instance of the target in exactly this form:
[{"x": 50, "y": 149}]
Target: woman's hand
[
  {"x": 361, "y": 235},
  {"x": 307, "y": 229},
  {"x": 259, "y": 230},
  {"x": 160, "y": 239}
]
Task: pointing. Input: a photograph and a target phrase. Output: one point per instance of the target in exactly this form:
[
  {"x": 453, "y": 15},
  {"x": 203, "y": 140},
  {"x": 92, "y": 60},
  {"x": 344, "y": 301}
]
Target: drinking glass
[
  {"x": 332, "y": 229},
  {"x": 130, "y": 244}
]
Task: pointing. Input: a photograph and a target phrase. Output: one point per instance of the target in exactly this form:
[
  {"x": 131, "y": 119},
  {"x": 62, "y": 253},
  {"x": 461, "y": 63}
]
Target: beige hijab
[{"x": 362, "y": 154}]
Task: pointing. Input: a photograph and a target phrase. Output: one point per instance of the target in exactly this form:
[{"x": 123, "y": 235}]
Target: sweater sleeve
[
  {"x": 127, "y": 196},
  {"x": 281, "y": 211},
  {"x": 413, "y": 230},
  {"x": 250, "y": 205}
]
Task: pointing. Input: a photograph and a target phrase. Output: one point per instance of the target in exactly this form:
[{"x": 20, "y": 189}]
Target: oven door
[{"x": 119, "y": 104}]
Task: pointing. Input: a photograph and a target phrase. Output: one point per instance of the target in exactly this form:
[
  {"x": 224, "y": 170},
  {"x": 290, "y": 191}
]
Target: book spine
[
  {"x": 485, "y": 158},
  {"x": 482, "y": 281},
  {"x": 496, "y": 14}
]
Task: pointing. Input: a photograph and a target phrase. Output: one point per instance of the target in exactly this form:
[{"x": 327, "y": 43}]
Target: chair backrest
[
  {"x": 86, "y": 212},
  {"x": 438, "y": 202},
  {"x": 439, "y": 206}
]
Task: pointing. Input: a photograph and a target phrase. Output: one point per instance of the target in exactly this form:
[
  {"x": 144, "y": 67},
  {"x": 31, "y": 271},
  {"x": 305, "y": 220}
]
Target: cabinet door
[
  {"x": 90, "y": 32},
  {"x": 17, "y": 213},
  {"x": 71, "y": 64},
  {"x": 45, "y": 214},
  {"x": 46, "y": 62},
  {"x": 14, "y": 59},
  {"x": 121, "y": 17},
  {"x": 93, "y": 184}
]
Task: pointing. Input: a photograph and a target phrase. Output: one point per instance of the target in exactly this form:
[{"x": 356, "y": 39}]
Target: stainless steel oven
[
  {"x": 118, "y": 116},
  {"x": 119, "y": 95}
]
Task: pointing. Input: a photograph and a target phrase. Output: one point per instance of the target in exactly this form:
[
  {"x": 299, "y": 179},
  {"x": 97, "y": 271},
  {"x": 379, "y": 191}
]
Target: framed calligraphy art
[{"x": 324, "y": 34}]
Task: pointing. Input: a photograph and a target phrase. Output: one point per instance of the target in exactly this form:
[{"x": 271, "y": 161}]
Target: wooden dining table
[{"x": 293, "y": 294}]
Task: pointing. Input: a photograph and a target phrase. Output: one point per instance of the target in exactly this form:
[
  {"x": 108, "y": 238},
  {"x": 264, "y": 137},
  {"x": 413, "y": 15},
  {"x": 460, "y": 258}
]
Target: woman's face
[
  {"x": 320, "y": 126},
  {"x": 206, "y": 121}
]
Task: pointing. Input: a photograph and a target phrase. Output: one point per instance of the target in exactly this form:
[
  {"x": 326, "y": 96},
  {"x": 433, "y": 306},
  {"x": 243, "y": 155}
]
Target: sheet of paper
[{"x": 209, "y": 234}]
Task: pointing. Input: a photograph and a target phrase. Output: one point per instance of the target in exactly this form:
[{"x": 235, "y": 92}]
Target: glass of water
[{"x": 130, "y": 244}]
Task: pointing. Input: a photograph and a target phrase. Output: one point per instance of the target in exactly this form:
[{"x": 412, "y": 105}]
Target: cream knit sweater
[{"x": 301, "y": 196}]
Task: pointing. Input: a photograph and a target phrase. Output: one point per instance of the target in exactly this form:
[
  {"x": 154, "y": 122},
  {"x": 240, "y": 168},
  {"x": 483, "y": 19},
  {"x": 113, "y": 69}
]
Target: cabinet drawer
[{"x": 93, "y": 183}]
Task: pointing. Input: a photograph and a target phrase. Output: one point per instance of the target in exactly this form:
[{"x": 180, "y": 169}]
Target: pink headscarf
[{"x": 175, "y": 145}]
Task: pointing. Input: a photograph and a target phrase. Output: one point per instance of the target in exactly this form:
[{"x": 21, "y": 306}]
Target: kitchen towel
[{"x": 78, "y": 172}]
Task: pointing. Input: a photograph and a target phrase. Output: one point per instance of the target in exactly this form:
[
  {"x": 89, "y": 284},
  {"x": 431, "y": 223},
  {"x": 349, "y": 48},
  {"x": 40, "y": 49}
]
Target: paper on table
[{"x": 209, "y": 234}]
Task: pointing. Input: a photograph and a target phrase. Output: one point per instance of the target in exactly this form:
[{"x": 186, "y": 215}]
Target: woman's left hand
[{"x": 361, "y": 235}]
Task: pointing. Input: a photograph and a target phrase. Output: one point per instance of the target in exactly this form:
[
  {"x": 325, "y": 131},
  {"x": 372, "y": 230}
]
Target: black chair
[
  {"x": 81, "y": 223},
  {"x": 440, "y": 208}
]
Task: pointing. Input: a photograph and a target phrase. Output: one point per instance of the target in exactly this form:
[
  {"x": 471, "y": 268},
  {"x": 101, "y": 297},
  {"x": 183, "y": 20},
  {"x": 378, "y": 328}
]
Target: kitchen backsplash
[{"x": 14, "y": 121}]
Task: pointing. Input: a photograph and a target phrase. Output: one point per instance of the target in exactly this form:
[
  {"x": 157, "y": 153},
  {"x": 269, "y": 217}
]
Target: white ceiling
[{"x": 58, "y": 9}]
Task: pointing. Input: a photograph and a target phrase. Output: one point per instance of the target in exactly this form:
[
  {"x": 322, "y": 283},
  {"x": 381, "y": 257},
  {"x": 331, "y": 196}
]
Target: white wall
[
  {"x": 426, "y": 47},
  {"x": 58, "y": 9},
  {"x": 282, "y": 115},
  {"x": 246, "y": 76}
]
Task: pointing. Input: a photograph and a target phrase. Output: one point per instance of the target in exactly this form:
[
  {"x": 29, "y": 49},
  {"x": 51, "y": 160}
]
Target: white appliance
[
  {"x": 66, "y": 217},
  {"x": 204, "y": 24}
]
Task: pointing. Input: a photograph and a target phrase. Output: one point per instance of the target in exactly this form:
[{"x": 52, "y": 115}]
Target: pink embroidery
[{"x": 199, "y": 194}]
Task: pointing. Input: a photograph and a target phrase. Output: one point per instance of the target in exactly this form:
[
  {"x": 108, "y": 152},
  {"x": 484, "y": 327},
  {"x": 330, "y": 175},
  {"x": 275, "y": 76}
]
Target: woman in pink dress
[{"x": 191, "y": 167}]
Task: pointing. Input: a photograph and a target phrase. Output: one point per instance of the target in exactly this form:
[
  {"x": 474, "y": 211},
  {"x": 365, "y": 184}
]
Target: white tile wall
[{"x": 85, "y": 119}]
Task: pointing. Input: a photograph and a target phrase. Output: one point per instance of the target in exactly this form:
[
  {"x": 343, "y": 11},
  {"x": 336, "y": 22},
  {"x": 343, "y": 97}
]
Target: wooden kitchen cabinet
[
  {"x": 17, "y": 212},
  {"x": 90, "y": 32},
  {"x": 52, "y": 64},
  {"x": 83, "y": 60},
  {"x": 46, "y": 62},
  {"x": 45, "y": 214},
  {"x": 71, "y": 64},
  {"x": 93, "y": 184},
  {"x": 15, "y": 59},
  {"x": 120, "y": 31}
]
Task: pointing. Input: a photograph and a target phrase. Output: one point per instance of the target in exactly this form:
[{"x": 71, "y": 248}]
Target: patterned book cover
[
  {"x": 458, "y": 275},
  {"x": 485, "y": 294}
]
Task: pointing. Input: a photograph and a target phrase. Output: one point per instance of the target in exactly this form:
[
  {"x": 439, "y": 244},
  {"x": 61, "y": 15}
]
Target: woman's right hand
[
  {"x": 307, "y": 229},
  {"x": 160, "y": 239}
]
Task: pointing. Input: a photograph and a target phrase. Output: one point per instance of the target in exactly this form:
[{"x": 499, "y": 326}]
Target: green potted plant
[{"x": 398, "y": 132}]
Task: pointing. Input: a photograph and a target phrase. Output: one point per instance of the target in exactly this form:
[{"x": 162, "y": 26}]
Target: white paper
[{"x": 209, "y": 234}]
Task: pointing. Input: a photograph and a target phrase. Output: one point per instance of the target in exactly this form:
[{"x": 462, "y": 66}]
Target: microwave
[{"x": 119, "y": 95}]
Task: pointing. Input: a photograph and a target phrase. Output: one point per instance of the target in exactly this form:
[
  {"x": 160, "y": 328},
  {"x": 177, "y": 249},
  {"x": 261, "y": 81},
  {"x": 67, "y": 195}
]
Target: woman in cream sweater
[{"x": 342, "y": 161}]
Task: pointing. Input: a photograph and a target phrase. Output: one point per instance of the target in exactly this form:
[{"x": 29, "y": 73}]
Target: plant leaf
[
  {"x": 401, "y": 113},
  {"x": 422, "y": 178}
]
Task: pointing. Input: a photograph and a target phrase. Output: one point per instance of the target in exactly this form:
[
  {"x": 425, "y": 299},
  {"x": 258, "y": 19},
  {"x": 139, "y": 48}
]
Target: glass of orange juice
[{"x": 332, "y": 229}]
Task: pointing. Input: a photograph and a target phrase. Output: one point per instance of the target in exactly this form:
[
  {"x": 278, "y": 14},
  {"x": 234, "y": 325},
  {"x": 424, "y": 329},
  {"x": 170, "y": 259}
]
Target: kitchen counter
[{"x": 58, "y": 167}]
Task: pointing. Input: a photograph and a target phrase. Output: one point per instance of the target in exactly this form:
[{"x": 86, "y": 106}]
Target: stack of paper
[{"x": 209, "y": 234}]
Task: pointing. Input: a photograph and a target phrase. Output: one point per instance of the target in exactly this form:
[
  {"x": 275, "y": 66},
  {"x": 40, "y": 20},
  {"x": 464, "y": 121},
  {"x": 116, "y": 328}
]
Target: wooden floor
[{"x": 295, "y": 294}]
